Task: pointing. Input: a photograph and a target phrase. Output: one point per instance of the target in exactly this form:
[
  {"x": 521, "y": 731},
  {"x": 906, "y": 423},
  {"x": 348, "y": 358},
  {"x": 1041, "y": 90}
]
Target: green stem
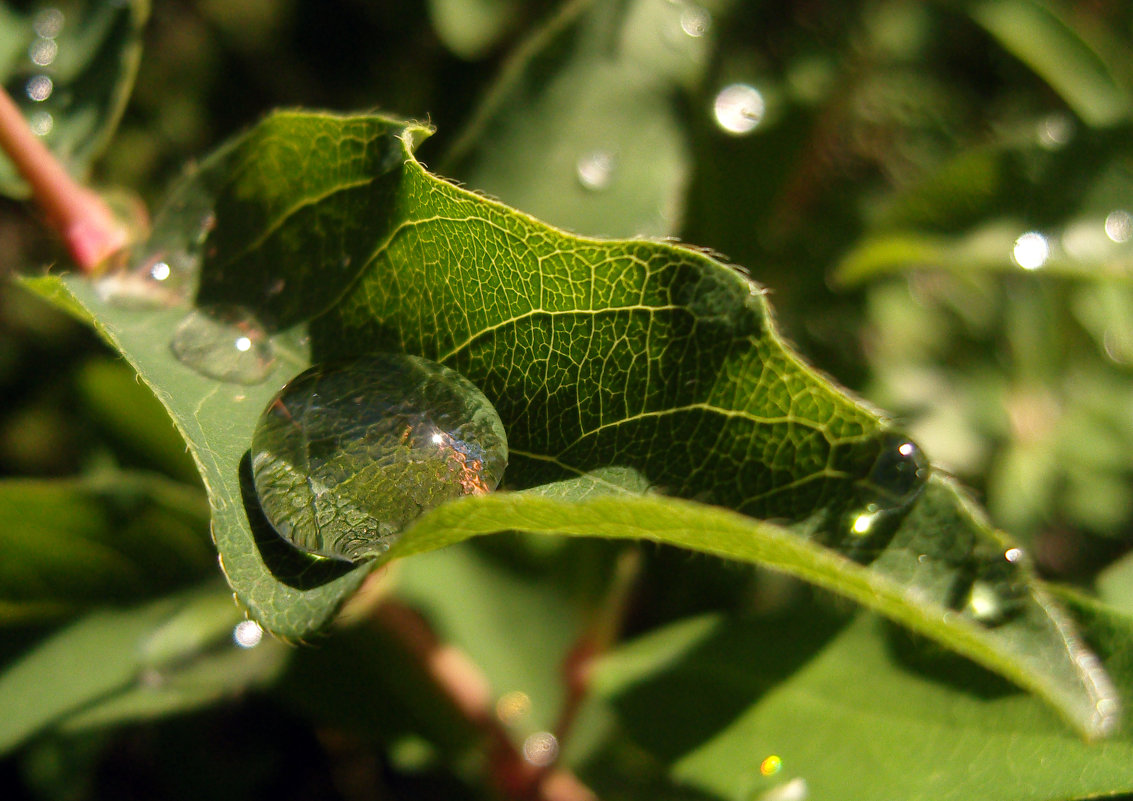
[{"x": 82, "y": 219}]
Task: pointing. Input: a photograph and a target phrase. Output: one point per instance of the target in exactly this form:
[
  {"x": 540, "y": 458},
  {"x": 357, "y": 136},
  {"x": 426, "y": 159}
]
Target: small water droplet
[
  {"x": 541, "y": 748},
  {"x": 42, "y": 52},
  {"x": 1055, "y": 130},
  {"x": 990, "y": 586},
  {"x": 41, "y": 122},
  {"x": 1031, "y": 250},
  {"x": 695, "y": 20},
  {"x": 739, "y": 108},
  {"x": 348, "y": 454},
  {"x": 247, "y": 634},
  {"x": 1119, "y": 226},
  {"x": 771, "y": 765},
  {"x": 596, "y": 170},
  {"x": 881, "y": 498},
  {"x": 48, "y": 23},
  {"x": 512, "y": 707},
  {"x": 39, "y": 88},
  {"x": 224, "y": 342}
]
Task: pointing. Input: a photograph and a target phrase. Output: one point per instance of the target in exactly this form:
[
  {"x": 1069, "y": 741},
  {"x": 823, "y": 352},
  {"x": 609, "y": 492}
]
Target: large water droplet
[
  {"x": 224, "y": 342},
  {"x": 349, "y": 454},
  {"x": 894, "y": 480}
]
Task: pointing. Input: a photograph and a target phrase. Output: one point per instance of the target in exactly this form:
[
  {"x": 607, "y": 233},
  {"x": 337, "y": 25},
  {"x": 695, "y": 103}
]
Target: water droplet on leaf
[
  {"x": 991, "y": 586},
  {"x": 224, "y": 342},
  {"x": 894, "y": 480},
  {"x": 348, "y": 454}
]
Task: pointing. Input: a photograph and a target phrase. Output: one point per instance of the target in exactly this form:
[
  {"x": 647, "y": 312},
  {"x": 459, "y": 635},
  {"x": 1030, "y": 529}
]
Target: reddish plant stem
[
  {"x": 469, "y": 691},
  {"x": 87, "y": 226}
]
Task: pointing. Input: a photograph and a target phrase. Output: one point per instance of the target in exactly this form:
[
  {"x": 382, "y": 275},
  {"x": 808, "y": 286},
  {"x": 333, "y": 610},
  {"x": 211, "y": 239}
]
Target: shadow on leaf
[{"x": 286, "y": 563}]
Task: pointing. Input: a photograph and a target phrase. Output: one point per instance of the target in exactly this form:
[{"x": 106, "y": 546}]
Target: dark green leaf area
[
  {"x": 598, "y": 353},
  {"x": 309, "y": 184}
]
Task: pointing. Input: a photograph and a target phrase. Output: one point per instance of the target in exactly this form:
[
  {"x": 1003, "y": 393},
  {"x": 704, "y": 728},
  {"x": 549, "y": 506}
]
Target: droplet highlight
[
  {"x": 1031, "y": 250},
  {"x": 990, "y": 587},
  {"x": 541, "y": 749},
  {"x": 739, "y": 108},
  {"x": 348, "y": 454},
  {"x": 224, "y": 342},
  {"x": 695, "y": 21},
  {"x": 1119, "y": 226},
  {"x": 596, "y": 170},
  {"x": 247, "y": 634}
]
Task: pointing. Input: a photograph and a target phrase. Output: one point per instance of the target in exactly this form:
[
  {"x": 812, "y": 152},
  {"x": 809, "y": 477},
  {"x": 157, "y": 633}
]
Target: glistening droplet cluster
[{"x": 348, "y": 454}]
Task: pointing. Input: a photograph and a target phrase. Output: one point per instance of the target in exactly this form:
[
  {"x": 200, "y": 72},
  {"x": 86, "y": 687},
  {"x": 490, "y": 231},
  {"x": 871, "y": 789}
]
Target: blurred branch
[{"x": 81, "y": 218}]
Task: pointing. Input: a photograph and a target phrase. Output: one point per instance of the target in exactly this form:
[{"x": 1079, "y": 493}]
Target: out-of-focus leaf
[
  {"x": 70, "y": 66},
  {"x": 71, "y": 544},
  {"x": 865, "y": 717},
  {"x": 118, "y": 665},
  {"x": 584, "y": 126},
  {"x": 633, "y": 354},
  {"x": 470, "y": 28},
  {"x": 1044, "y": 37},
  {"x": 128, "y": 411}
]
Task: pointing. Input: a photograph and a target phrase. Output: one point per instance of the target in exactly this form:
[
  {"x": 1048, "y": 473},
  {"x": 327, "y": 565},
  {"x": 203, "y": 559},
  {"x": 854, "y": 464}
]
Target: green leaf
[
  {"x": 849, "y": 717},
  {"x": 89, "y": 54},
  {"x": 109, "y": 537},
  {"x": 592, "y": 106},
  {"x": 1046, "y": 41},
  {"x": 646, "y": 357},
  {"x": 117, "y": 665}
]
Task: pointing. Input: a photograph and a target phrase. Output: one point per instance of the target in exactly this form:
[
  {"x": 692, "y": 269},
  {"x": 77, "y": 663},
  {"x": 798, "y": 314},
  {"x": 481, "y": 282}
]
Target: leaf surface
[{"x": 616, "y": 366}]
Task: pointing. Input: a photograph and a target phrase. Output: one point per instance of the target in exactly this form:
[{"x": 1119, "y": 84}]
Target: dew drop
[
  {"x": 739, "y": 108},
  {"x": 1031, "y": 250},
  {"x": 39, "y": 88},
  {"x": 42, "y": 52},
  {"x": 41, "y": 122},
  {"x": 894, "y": 480},
  {"x": 596, "y": 170},
  {"x": 990, "y": 587},
  {"x": 49, "y": 23},
  {"x": 224, "y": 342},
  {"x": 247, "y": 634},
  {"x": 695, "y": 21},
  {"x": 348, "y": 454},
  {"x": 1119, "y": 226},
  {"x": 541, "y": 749}
]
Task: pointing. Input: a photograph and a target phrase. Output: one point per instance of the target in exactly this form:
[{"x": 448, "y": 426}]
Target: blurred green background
[{"x": 938, "y": 195}]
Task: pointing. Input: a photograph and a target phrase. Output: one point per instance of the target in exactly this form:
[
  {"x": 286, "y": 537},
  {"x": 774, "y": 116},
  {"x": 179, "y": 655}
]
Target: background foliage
[{"x": 902, "y": 151}]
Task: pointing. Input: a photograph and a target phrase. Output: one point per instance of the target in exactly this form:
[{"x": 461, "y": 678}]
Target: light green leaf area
[
  {"x": 70, "y": 67},
  {"x": 1068, "y": 59},
  {"x": 471, "y": 28},
  {"x": 112, "y": 536},
  {"x": 594, "y": 105},
  {"x": 614, "y": 365},
  {"x": 132, "y": 663},
  {"x": 846, "y": 715}
]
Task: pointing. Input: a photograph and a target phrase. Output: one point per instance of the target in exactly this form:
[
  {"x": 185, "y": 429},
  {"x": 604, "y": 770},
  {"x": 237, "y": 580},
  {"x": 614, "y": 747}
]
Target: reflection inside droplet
[
  {"x": 224, "y": 342},
  {"x": 771, "y": 765},
  {"x": 1119, "y": 226},
  {"x": 42, "y": 51},
  {"x": 41, "y": 122},
  {"x": 1013, "y": 554},
  {"x": 160, "y": 271},
  {"x": 513, "y": 706},
  {"x": 39, "y": 88},
  {"x": 596, "y": 169},
  {"x": 739, "y": 108},
  {"x": 1031, "y": 250},
  {"x": 541, "y": 748},
  {"x": 695, "y": 21},
  {"x": 247, "y": 634},
  {"x": 48, "y": 23}
]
